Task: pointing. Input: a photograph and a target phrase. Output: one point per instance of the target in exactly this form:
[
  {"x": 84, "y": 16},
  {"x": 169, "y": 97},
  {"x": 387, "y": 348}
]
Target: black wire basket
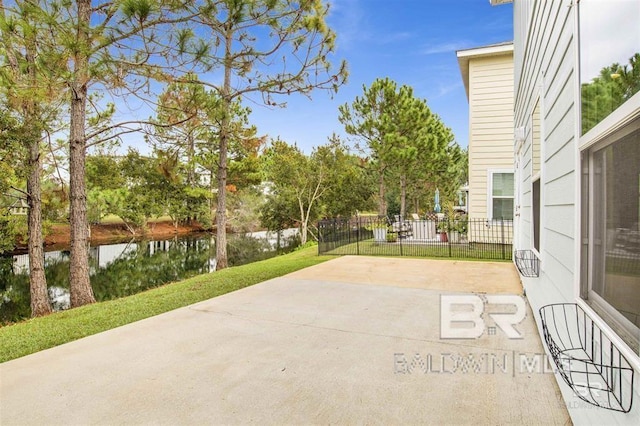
[
  {"x": 586, "y": 359},
  {"x": 527, "y": 263}
]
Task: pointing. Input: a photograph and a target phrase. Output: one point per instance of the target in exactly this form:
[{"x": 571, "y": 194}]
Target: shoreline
[{"x": 111, "y": 233}]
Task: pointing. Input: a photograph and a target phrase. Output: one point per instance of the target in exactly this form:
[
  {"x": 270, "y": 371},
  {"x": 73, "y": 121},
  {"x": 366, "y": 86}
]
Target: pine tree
[{"x": 268, "y": 48}]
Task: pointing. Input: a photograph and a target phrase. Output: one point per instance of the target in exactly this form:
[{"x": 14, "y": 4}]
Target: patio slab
[
  {"x": 301, "y": 349},
  {"x": 434, "y": 274}
]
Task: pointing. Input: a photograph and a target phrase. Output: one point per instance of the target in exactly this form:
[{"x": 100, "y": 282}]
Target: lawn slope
[{"x": 37, "y": 334}]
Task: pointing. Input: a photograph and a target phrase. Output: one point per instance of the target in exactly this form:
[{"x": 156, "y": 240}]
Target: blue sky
[{"x": 413, "y": 42}]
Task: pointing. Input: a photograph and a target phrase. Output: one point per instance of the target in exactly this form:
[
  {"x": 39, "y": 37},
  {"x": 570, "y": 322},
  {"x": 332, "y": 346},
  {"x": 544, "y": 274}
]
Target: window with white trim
[
  {"x": 610, "y": 166},
  {"x": 536, "y": 213},
  {"x": 536, "y": 161},
  {"x": 612, "y": 234},
  {"x": 501, "y": 193}
]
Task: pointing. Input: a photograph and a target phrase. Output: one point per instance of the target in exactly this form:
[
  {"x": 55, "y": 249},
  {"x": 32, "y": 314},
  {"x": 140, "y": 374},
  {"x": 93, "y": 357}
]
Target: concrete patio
[{"x": 352, "y": 340}]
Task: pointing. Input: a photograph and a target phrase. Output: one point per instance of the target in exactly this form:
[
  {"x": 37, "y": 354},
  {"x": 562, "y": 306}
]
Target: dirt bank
[{"x": 58, "y": 237}]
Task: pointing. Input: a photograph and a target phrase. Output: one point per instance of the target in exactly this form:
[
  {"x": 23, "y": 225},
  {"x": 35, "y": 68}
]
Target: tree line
[
  {"x": 71, "y": 70},
  {"x": 614, "y": 85}
]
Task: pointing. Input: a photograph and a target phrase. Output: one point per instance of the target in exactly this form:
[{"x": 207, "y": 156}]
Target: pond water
[{"x": 123, "y": 269}]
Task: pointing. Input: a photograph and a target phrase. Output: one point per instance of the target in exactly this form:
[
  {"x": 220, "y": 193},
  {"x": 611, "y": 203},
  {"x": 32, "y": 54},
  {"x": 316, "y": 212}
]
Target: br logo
[{"x": 464, "y": 316}]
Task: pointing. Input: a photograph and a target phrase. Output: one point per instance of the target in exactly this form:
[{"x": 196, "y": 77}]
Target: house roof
[
  {"x": 19, "y": 203},
  {"x": 465, "y": 55}
]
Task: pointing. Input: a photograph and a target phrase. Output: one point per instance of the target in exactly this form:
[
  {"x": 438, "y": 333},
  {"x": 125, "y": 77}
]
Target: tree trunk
[
  {"x": 403, "y": 196},
  {"x": 191, "y": 175},
  {"x": 213, "y": 180},
  {"x": 303, "y": 222},
  {"x": 221, "y": 210},
  {"x": 40, "y": 304},
  {"x": 382, "y": 203},
  {"x": 81, "y": 292}
]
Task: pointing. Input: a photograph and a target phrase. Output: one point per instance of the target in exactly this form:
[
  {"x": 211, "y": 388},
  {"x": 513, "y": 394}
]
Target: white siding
[
  {"x": 490, "y": 124},
  {"x": 546, "y": 75},
  {"x": 545, "y": 67}
]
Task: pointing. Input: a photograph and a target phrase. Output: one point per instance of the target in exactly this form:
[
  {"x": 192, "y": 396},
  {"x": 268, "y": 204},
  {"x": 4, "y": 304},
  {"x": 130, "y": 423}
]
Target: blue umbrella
[{"x": 437, "y": 207}]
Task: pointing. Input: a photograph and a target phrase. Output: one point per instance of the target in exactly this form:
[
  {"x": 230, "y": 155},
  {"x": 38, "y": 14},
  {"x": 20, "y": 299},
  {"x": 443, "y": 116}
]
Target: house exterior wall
[
  {"x": 546, "y": 84},
  {"x": 546, "y": 77},
  {"x": 490, "y": 125}
]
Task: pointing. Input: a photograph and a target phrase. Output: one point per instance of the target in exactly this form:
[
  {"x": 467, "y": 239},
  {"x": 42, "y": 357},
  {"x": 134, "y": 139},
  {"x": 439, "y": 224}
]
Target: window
[
  {"x": 609, "y": 41},
  {"x": 535, "y": 174},
  {"x": 500, "y": 195},
  {"x": 612, "y": 210},
  {"x": 536, "y": 214}
]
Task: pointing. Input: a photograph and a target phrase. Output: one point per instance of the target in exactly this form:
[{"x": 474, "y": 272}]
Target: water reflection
[{"x": 123, "y": 269}]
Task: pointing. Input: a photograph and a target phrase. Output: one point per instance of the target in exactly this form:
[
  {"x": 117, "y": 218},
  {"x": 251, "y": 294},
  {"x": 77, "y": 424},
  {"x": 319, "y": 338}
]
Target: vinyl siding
[
  {"x": 546, "y": 77},
  {"x": 546, "y": 70},
  {"x": 536, "y": 139},
  {"x": 490, "y": 124}
]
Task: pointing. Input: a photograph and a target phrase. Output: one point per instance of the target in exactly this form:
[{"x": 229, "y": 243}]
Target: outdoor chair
[{"x": 402, "y": 227}]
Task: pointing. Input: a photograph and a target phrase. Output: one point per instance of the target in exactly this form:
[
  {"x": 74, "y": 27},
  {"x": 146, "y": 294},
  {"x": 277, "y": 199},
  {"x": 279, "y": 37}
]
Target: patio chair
[{"x": 402, "y": 227}]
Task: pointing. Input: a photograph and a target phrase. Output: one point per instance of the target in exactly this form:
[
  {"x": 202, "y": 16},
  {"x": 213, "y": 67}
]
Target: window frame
[
  {"x": 490, "y": 196},
  {"x": 536, "y": 214},
  {"x": 537, "y": 148},
  {"x": 589, "y": 266},
  {"x": 611, "y": 124}
]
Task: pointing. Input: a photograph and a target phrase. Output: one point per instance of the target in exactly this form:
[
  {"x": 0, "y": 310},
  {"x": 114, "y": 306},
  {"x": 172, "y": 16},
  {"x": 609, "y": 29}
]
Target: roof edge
[
  {"x": 490, "y": 49},
  {"x": 465, "y": 55}
]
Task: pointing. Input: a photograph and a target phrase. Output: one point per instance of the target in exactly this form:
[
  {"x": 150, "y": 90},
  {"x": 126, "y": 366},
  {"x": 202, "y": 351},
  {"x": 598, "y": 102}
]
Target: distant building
[
  {"x": 19, "y": 207},
  {"x": 487, "y": 74}
]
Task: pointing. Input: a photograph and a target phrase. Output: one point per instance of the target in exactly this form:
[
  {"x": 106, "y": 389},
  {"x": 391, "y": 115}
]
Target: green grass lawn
[
  {"x": 467, "y": 251},
  {"x": 46, "y": 332}
]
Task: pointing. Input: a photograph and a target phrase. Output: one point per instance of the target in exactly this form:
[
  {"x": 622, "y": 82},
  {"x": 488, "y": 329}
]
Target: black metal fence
[
  {"x": 623, "y": 262},
  {"x": 432, "y": 236}
]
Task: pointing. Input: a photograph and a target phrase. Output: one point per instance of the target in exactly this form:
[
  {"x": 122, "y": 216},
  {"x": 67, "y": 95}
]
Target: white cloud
[
  {"x": 497, "y": 25},
  {"x": 395, "y": 37},
  {"x": 445, "y": 89},
  {"x": 346, "y": 18},
  {"x": 609, "y": 32},
  {"x": 350, "y": 21},
  {"x": 447, "y": 47}
]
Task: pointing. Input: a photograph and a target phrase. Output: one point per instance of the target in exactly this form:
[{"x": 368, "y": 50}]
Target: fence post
[
  {"x": 358, "y": 235},
  {"x": 502, "y": 237},
  {"x": 448, "y": 235}
]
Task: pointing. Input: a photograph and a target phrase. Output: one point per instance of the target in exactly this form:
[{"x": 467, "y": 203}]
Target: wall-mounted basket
[
  {"x": 586, "y": 359},
  {"x": 527, "y": 263}
]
